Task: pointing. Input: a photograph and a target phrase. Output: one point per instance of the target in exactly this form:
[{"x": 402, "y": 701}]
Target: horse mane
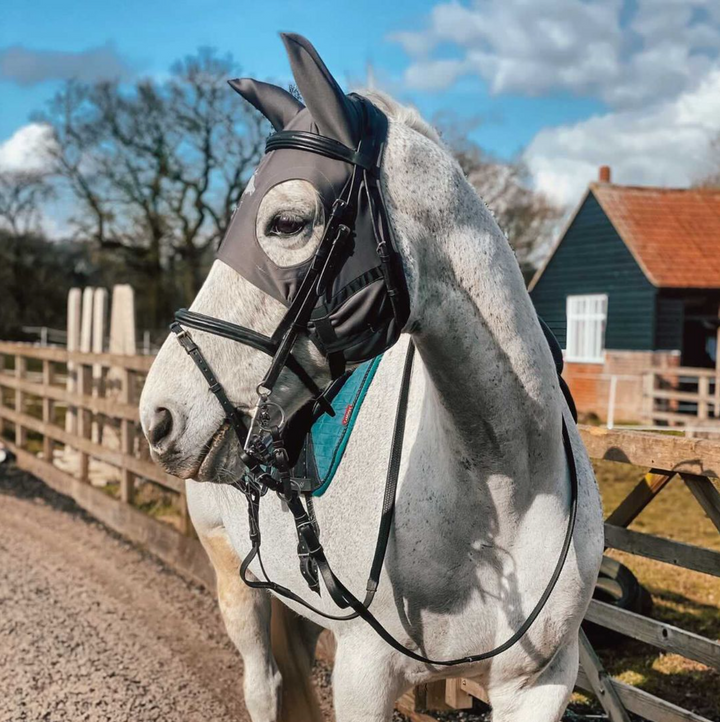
[{"x": 405, "y": 114}]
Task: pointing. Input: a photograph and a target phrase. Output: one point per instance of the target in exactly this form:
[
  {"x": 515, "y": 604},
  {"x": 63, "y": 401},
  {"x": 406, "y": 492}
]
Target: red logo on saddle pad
[{"x": 348, "y": 411}]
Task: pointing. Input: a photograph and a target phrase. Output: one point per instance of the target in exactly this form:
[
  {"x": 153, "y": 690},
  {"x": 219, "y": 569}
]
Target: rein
[{"x": 265, "y": 442}]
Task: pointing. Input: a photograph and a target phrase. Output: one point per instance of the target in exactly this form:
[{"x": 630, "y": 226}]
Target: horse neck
[{"x": 493, "y": 381}]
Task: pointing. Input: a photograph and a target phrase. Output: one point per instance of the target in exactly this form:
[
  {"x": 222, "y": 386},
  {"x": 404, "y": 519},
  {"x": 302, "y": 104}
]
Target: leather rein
[{"x": 265, "y": 442}]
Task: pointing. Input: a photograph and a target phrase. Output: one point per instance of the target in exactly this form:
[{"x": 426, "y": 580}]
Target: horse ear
[
  {"x": 276, "y": 104},
  {"x": 332, "y": 111}
]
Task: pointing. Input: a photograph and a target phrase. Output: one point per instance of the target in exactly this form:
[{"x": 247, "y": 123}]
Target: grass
[{"x": 689, "y": 600}]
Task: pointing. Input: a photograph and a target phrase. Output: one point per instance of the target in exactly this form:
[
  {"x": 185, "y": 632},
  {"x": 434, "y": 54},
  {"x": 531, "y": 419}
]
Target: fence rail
[
  {"x": 684, "y": 397},
  {"x": 98, "y": 392},
  {"x": 96, "y": 389}
]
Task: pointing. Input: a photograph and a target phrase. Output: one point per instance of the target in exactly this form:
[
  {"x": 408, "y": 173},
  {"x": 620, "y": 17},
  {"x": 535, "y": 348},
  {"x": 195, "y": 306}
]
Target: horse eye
[{"x": 286, "y": 224}]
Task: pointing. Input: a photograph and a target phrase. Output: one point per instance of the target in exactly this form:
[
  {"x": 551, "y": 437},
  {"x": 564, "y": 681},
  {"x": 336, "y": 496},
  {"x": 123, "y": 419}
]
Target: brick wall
[{"x": 590, "y": 383}]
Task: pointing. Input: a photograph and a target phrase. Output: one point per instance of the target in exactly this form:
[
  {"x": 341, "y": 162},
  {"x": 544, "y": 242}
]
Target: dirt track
[{"x": 91, "y": 628}]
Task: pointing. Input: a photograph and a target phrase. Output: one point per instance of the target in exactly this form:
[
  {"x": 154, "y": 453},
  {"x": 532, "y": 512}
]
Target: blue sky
[
  {"x": 151, "y": 35},
  {"x": 570, "y": 84}
]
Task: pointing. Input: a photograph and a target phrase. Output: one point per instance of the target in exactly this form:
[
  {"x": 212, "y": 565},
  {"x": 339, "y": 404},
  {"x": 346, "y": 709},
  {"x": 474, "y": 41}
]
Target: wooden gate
[{"x": 34, "y": 400}]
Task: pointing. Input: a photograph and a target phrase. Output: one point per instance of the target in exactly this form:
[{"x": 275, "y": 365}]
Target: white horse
[{"x": 484, "y": 493}]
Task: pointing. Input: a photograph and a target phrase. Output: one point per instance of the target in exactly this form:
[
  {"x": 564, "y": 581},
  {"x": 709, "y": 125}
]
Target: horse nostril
[{"x": 161, "y": 426}]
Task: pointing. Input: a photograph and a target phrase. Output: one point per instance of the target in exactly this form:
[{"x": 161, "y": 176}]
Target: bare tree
[
  {"x": 158, "y": 168},
  {"x": 712, "y": 178},
  {"x": 526, "y": 216},
  {"x": 21, "y": 196}
]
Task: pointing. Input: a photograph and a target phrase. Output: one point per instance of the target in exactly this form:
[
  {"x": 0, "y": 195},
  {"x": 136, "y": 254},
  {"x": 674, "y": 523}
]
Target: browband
[{"x": 314, "y": 143}]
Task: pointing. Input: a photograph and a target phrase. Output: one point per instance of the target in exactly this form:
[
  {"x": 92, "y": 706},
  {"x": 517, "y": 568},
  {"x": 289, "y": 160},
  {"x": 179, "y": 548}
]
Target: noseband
[{"x": 268, "y": 441}]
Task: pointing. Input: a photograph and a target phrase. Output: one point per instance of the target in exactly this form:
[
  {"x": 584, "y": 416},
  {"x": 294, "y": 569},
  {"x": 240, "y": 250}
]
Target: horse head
[{"x": 325, "y": 160}]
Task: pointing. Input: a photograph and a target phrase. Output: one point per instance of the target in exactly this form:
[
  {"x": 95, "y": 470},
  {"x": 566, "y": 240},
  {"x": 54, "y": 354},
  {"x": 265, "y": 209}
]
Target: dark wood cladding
[{"x": 592, "y": 258}]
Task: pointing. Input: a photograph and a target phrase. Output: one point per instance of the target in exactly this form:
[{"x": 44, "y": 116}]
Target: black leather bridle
[{"x": 267, "y": 441}]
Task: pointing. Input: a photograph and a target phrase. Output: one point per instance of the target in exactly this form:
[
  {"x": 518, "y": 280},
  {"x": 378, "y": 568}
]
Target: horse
[{"x": 483, "y": 494}]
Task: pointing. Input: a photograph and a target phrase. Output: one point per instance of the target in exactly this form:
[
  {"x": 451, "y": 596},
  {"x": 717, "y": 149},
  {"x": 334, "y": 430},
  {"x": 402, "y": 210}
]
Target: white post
[
  {"x": 73, "y": 344},
  {"x": 122, "y": 341},
  {"x": 87, "y": 319},
  {"x": 44, "y": 336},
  {"x": 611, "y": 402},
  {"x": 100, "y": 298},
  {"x": 100, "y": 304},
  {"x": 122, "y": 321},
  {"x": 146, "y": 343}
]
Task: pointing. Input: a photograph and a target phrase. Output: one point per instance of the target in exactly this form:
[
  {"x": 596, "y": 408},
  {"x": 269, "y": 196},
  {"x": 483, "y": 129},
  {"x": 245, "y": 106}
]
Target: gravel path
[{"x": 91, "y": 628}]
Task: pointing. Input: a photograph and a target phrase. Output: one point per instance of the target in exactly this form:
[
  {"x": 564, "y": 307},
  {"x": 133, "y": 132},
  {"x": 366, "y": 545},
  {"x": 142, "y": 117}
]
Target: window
[{"x": 586, "y": 316}]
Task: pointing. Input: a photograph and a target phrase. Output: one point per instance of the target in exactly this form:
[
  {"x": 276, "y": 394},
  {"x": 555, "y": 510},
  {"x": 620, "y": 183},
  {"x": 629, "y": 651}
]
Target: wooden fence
[
  {"x": 33, "y": 390},
  {"x": 34, "y": 403},
  {"x": 683, "y": 396}
]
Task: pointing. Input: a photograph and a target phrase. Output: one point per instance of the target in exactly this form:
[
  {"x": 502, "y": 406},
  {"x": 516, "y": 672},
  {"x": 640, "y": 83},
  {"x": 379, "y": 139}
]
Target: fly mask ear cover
[{"x": 364, "y": 305}]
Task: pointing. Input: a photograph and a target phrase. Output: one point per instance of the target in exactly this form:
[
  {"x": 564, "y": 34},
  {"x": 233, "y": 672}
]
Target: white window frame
[{"x": 586, "y": 318}]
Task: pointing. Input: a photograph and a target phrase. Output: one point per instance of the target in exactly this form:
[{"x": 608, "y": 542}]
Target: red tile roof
[{"x": 674, "y": 234}]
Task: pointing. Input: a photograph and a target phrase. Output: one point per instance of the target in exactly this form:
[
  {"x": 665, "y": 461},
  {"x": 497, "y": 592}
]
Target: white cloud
[
  {"x": 434, "y": 74},
  {"x": 29, "y": 67},
  {"x": 666, "y": 144},
  {"x": 654, "y": 63},
  {"x": 27, "y": 148},
  {"x": 530, "y": 48}
]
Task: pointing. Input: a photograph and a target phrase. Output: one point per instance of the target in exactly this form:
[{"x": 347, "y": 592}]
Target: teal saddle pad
[{"x": 326, "y": 443}]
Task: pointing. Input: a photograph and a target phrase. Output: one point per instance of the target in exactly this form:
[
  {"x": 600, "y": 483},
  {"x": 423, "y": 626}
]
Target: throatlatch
[{"x": 350, "y": 299}]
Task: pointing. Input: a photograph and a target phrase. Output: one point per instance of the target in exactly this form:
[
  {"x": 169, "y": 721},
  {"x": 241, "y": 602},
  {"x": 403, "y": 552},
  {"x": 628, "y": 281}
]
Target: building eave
[{"x": 628, "y": 243}]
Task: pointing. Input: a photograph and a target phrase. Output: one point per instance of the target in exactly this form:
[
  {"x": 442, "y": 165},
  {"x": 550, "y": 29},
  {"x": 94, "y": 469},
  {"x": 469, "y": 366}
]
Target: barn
[{"x": 632, "y": 283}]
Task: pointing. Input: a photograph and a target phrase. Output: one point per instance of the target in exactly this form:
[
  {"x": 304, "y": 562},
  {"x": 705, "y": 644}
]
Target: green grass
[{"x": 689, "y": 600}]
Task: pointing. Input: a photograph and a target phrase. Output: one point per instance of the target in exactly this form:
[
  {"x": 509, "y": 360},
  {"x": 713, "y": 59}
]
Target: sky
[{"x": 565, "y": 85}]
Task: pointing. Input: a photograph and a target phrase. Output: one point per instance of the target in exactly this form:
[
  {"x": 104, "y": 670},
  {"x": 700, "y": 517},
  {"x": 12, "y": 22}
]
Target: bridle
[{"x": 267, "y": 444}]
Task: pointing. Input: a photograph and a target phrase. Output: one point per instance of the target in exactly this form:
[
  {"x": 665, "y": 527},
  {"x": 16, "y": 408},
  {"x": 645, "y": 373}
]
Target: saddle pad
[{"x": 330, "y": 434}]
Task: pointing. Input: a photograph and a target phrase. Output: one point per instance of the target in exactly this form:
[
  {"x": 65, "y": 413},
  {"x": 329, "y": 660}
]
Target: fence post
[
  {"x": 648, "y": 396},
  {"x": 20, "y": 430},
  {"x": 601, "y": 682},
  {"x": 611, "y": 402},
  {"x": 84, "y": 415},
  {"x": 703, "y": 397},
  {"x": 48, "y": 410},
  {"x": 706, "y": 494},
  {"x": 643, "y": 493},
  {"x": 127, "y": 437}
]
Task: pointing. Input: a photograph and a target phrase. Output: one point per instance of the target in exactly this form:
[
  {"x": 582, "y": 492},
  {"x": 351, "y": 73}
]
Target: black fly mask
[
  {"x": 349, "y": 298},
  {"x": 361, "y": 303}
]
